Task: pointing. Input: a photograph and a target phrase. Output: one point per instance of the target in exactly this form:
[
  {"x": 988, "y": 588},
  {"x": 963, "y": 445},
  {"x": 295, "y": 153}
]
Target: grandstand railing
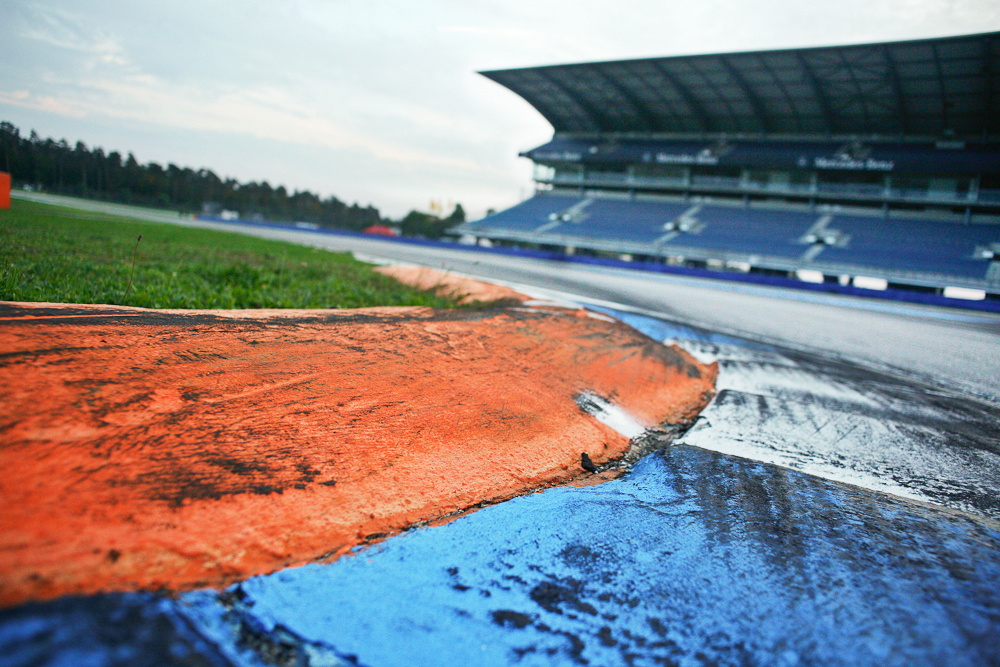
[
  {"x": 720, "y": 182},
  {"x": 738, "y": 186},
  {"x": 657, "y": 182},
  {"x": 851, "y": 189},
  {"x": 991, "y": 196}
]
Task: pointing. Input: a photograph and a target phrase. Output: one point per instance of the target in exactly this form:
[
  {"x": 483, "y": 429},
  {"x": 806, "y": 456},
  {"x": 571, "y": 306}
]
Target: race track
[
  {"x": 893, "y": 397},
  {"x": 836, "y": 502}
]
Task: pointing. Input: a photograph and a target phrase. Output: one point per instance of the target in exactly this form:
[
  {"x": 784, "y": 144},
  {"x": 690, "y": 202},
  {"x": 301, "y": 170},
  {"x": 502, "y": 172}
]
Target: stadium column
[{"x": 4, "y": 190}]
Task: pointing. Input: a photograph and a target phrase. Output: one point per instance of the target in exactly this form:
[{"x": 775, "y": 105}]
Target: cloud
[
  {"x": 381, "y": 96},
  {"x": 501, "y": 32},
  {"x": 46, "y": 103},
  {"x": 65, "y": 30},
  {"x": 259, "y": 111}
]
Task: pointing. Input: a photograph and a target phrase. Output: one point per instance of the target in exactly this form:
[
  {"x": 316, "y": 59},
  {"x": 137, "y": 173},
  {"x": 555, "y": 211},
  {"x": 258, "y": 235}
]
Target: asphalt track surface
[{"x": 836, "y": 503}]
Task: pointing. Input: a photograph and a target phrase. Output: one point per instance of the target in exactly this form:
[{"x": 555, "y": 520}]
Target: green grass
[{"x": 49, "y": 253}]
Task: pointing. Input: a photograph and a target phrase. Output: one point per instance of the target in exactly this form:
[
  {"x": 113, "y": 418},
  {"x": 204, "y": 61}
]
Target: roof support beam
[
  {"x": 857, "y": 95},
  {"x": 945, "y": 104},
  {"x": 991, "y": 124},
  {"x": 642, "y": 113},
  {"x": 589, "y": 112},
  {"x": 759, "y": 110},
  {"x": 784, "y": 91},
  {"x": 897, "y": 90},
  {"x": 821, "y": 97},
  {"x": 669, "y": 118},
  {"x": 697, "y": 108},
  {"x": 536, "y": 101}
]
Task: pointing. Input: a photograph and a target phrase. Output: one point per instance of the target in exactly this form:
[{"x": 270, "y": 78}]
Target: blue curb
[{"x": 693, "y": 557}]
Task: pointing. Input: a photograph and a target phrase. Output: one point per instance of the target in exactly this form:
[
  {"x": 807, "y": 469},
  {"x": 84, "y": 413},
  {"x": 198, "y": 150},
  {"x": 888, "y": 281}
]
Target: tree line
[{"x": 77, "y": 170}]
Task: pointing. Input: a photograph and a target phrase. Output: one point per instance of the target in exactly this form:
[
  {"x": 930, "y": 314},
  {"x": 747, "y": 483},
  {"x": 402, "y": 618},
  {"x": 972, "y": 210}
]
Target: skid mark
[{"x": 842, "y": 422}]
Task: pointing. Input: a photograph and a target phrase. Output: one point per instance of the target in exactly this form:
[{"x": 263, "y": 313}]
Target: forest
[{"x": 57, "y": 167}]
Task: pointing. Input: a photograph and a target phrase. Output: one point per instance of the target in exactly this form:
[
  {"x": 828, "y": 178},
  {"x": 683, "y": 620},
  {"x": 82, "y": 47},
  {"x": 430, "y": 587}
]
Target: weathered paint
[
  {"x": 693, "y": 557},
  {"x": 156, "y": 449},
  {"x": 466, "y": 290},
  {"x": 115, "y": 630}
]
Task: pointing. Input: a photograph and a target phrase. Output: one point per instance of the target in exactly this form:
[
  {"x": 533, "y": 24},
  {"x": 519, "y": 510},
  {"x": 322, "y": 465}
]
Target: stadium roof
[{"x": 945, "y": 87}]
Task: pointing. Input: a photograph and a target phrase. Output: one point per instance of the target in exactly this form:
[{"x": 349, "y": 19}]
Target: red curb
[
  {"x": 146, "y": 449},
  {"x": 465, "y": 290}
]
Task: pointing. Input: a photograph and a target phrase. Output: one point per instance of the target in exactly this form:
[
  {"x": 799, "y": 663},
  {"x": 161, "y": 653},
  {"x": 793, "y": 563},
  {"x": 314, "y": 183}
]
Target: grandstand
[{"x": 876, "y": 160}]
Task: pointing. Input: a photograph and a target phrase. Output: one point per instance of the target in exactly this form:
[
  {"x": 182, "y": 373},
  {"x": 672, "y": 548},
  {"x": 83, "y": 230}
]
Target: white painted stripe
[{"x": 610, "y": 414}]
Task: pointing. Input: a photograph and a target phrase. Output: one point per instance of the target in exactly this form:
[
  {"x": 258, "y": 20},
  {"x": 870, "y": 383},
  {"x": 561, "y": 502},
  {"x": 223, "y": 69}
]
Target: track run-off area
[{"x": 838, "y": 501}]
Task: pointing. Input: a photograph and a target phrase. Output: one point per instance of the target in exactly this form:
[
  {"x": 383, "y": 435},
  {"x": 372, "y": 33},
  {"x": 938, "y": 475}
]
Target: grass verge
[{"x": 50, "y": 253}]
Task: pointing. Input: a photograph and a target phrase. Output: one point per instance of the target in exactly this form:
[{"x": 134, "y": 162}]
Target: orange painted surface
[
  {"x": 465, "y": 290},
  {"x": 148, "y": 449},
  {"x": 4, "y": 190}
]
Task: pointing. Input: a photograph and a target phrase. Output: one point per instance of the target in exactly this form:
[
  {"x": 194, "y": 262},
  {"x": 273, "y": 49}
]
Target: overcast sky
[{"x": 375, "y": 101}]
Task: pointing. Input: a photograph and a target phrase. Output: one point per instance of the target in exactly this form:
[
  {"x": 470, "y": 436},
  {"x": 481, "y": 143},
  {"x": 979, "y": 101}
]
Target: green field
[{"x": 50, "y": 253}]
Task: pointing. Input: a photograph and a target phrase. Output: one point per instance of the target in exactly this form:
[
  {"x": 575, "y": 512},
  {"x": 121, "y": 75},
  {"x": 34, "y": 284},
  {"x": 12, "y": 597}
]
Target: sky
[{"x": 375, "y": 101}]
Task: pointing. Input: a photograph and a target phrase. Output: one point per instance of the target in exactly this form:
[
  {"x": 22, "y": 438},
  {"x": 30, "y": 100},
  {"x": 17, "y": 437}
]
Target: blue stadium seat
[
  {"x": 751, "y": 231},
  {"x": 527, "y": 216},
  {"x": 623, "y": 220},
  {"x": 912, "y": 245}
]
